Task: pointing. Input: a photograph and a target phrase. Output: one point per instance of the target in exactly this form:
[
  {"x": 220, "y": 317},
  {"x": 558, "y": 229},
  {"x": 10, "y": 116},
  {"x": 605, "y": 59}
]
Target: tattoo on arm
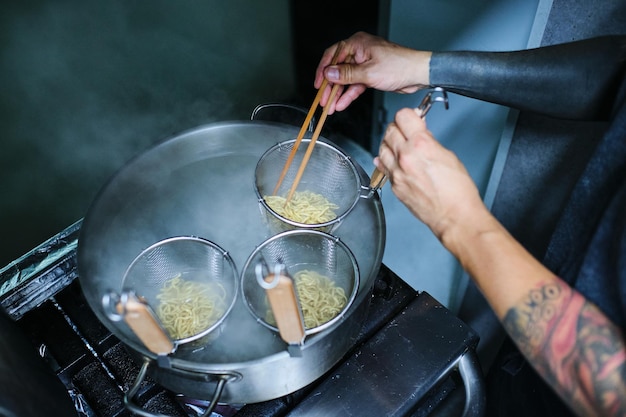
[{"x": 573, "y": 346}]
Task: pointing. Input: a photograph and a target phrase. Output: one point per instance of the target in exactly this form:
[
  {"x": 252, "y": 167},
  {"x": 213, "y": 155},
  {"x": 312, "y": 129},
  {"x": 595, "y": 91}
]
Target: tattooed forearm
[
  {"x": 573, "y": 345},
  {"x": 534, "y": 316}
]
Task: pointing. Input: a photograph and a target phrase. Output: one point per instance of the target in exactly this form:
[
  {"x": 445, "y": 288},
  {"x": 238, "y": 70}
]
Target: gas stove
[{"x": 413, "y": 357}]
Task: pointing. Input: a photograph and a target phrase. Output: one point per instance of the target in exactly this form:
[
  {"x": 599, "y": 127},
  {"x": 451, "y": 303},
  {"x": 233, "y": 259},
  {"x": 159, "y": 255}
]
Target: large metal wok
[{"x": 201, "y": 183}]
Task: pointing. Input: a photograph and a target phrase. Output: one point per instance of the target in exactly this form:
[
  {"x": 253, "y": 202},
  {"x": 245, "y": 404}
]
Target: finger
[
  {"x": 341, "y": 54},
  {"x": 388, "y": 150},
  {"x": 348, "y": 72},
  {"x": 326, "y": 96},
  {"x": 412, "y": 127},
  {"x": 348, "y": 96},
  {"x": 411, "y": 123},
  {"x": 385, "y": 161},
  {"x": 336, "y": 54},
  {"x": 393, "y": 138},
  {"x": 381, "y": 167},
  {"x": 378, "y": 164}
]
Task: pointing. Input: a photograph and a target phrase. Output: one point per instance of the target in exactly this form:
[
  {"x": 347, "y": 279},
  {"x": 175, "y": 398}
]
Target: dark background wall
[{"x": 86, "y": 85}]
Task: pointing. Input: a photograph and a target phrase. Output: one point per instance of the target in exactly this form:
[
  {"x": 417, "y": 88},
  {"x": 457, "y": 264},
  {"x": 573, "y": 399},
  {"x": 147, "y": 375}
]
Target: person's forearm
[
  {"x": 573, "y": 346},
  {"x": 577, "y": 80},
  {"x": 500, "y": 266},
  {"x": 569, "y": 341}
]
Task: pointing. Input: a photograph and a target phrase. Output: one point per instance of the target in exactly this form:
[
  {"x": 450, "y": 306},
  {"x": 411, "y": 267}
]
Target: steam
[
  {"x": 88, "y": 85},
  {"x": 93, "y": 84}
]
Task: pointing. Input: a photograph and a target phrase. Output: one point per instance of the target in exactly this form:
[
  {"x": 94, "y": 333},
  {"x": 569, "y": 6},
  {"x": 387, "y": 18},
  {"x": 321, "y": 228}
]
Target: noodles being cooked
[
  {"x": 304, "y": 207},
  {"x": 188, "y": 307},
  {"x": 320, "y": 298}
]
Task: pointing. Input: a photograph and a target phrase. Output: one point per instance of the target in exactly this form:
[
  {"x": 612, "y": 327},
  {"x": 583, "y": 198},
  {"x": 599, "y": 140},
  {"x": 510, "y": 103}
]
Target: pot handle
[
  {"x": 471, "y": 374},
  {"x": 261, "y": 107},
  {"x": 138, "y": 410}
]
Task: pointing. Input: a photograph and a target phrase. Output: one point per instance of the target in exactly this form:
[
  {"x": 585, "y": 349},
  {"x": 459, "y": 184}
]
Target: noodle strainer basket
[
  {"x": 330, "y": 173},
  {"x": 322, "y": 259},
  {"x": 188, "y": 284}
]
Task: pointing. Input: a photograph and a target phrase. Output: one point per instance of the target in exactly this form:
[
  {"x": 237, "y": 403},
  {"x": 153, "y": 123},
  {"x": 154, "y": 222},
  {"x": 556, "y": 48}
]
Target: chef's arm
[
  {"x": 567, "y": 339},
  {"x": 576, "y": 80}
]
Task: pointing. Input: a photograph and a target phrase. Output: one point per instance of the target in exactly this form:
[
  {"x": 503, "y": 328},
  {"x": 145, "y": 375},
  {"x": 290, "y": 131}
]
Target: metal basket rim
[
  {"x": 337, "y": 241},
  {"x": 213, "y": 245},
  {"x": 341, "y": 216}
]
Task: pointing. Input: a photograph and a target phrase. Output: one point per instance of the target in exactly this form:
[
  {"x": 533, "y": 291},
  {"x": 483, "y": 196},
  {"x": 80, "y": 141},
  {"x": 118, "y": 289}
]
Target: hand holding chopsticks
[{"x": 378, "y": 178}]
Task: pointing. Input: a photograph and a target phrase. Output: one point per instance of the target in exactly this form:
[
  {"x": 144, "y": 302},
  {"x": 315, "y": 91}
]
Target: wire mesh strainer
[
  {"x": 319, "y": 255},
  {"x": 190, "y": 283},
  {"x": 330, "y": 173}
]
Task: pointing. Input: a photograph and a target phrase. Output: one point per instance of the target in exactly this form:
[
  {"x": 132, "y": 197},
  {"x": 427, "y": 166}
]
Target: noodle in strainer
[
  {"x": 324, "y": 271},
  {"x": 190, "y": 283},
  {"x": 328, "y": 190}
]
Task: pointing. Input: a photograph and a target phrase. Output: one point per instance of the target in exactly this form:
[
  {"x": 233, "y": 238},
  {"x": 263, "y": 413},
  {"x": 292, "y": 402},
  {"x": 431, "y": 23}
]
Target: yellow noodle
[
  {"x": 304, "y": 207},
  {"x": 187, "y": 307},
  {"x": 320, "y": 299}
]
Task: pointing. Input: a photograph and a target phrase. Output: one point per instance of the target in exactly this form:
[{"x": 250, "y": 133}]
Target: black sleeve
[{"x": 577, "y": 80}]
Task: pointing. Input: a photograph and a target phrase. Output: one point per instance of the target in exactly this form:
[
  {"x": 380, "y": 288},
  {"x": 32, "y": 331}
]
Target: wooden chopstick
[
  {"x": 303, "y": 129},
  {"x": 307, "y": 120},
  {"x": 309, "y": 149}
]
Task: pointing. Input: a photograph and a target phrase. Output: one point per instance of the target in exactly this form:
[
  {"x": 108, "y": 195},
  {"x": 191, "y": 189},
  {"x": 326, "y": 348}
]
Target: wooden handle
[
  {"x": 144, "y": 324},
  {"x": 378, "y": 179},
  {"x": 286, "y": 309}
]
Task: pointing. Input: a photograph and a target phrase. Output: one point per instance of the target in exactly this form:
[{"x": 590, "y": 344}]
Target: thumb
[{"x": 343, "y": 74}]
